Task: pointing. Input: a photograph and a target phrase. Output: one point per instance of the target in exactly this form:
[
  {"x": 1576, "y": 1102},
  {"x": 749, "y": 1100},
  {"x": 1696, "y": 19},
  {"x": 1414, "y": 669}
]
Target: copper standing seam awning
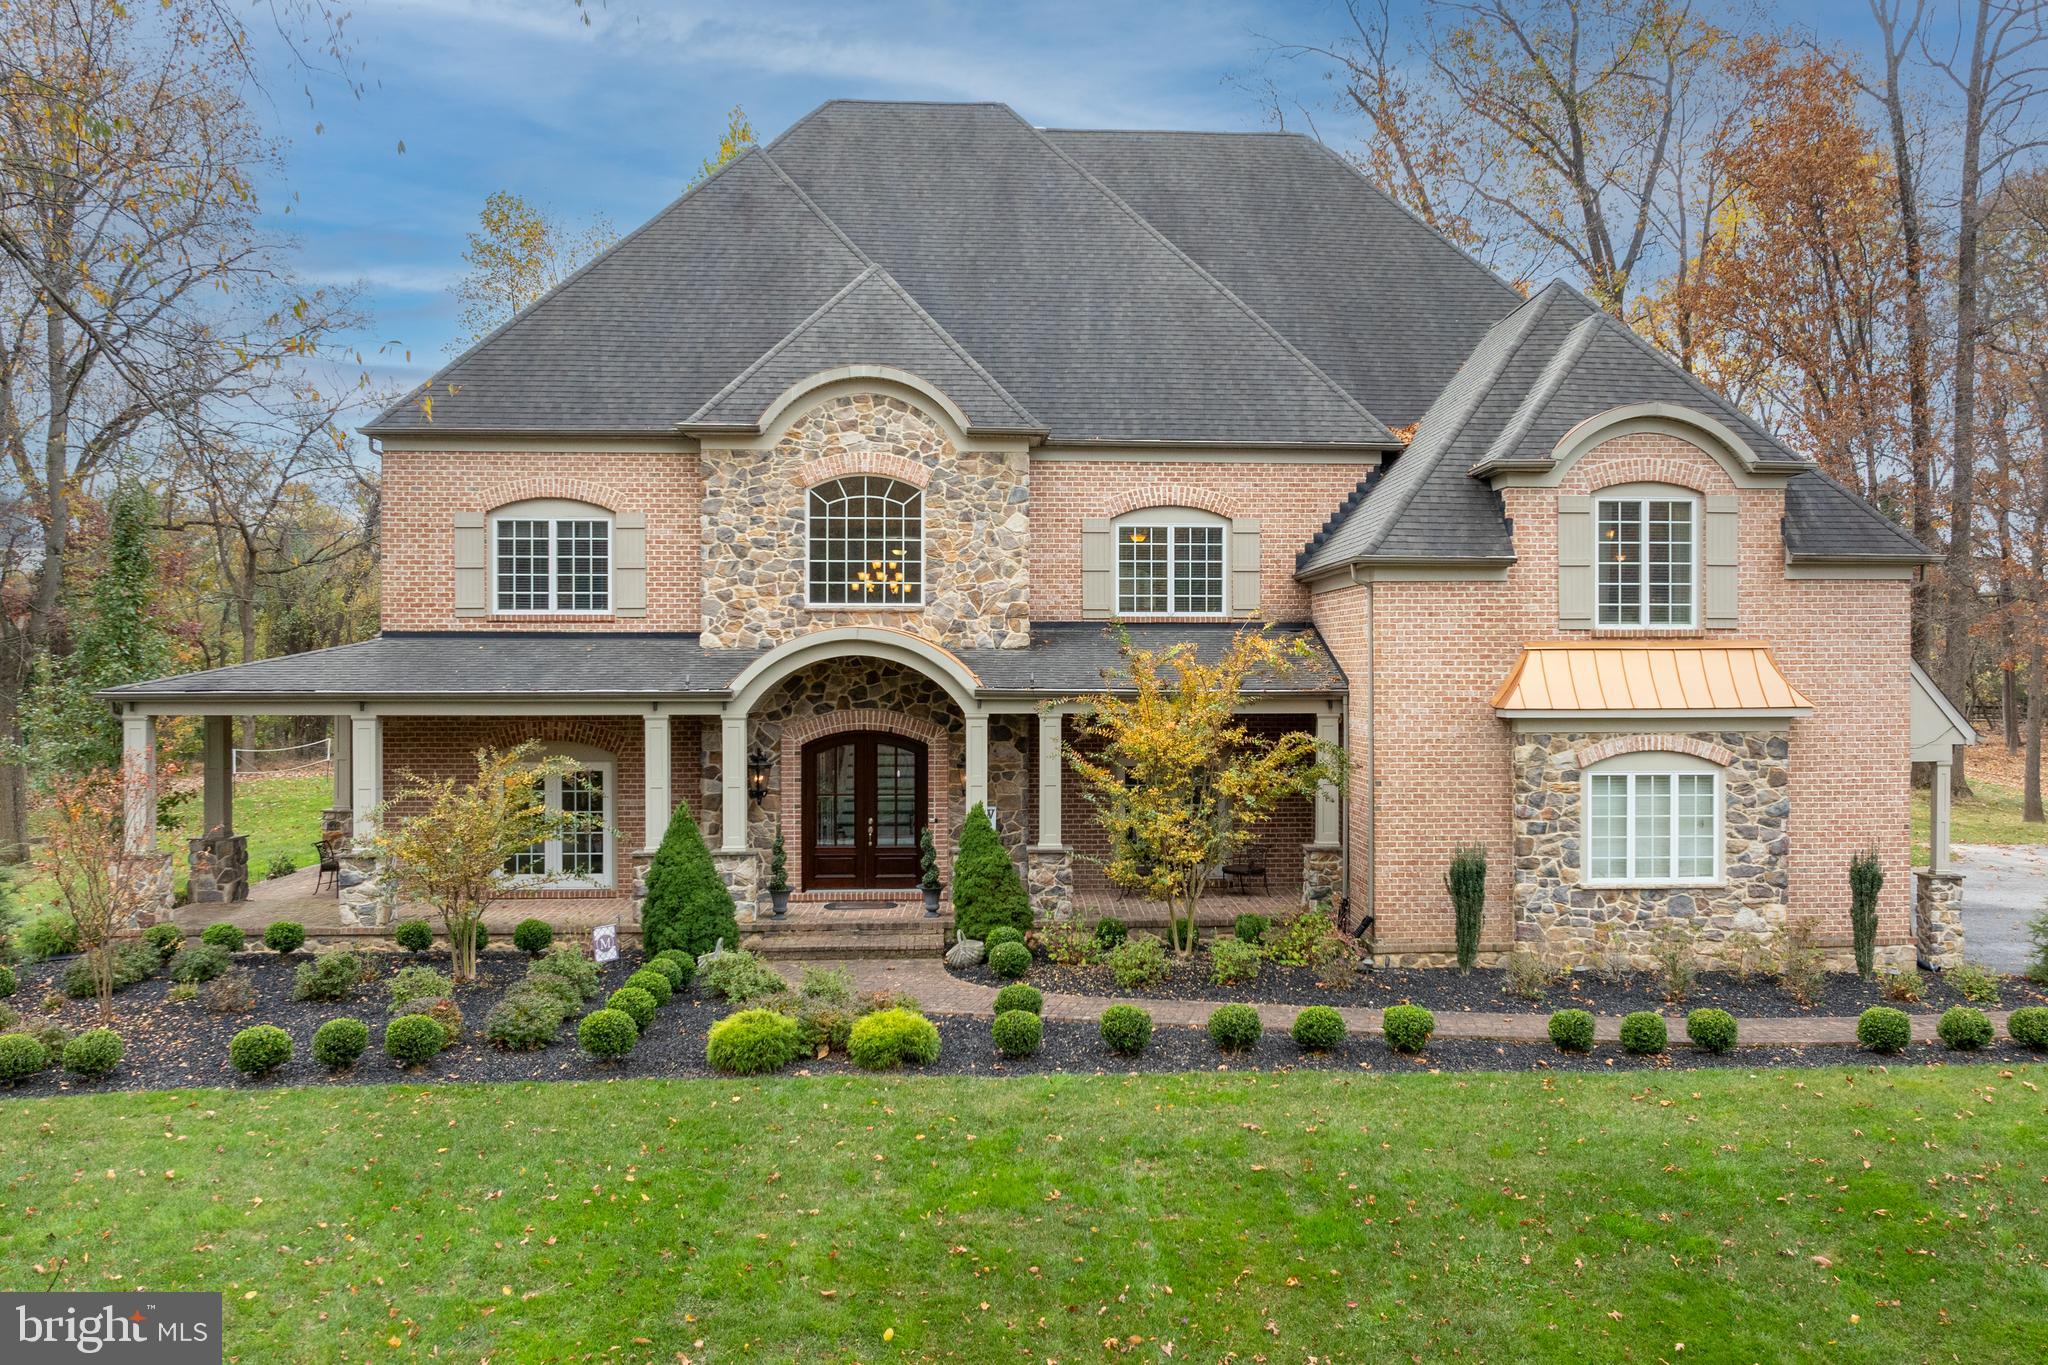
[{"x": 1648, "y": 677}]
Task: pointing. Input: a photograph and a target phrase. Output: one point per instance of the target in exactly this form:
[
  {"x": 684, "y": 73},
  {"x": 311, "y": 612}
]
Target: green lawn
[
  {"x": 1991, "y": 815},
  {"x": 281, "y": 815},
  {"x": 1860, "y": 1215}
]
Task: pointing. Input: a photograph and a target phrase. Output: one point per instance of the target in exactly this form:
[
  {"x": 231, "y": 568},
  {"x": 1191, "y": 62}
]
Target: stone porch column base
[
  {"x": 1322, "y": 873},
  {"x": 365, "y": 900},
  {"x": 1938, "y": 917},
  {"x": 155, "y": 890},
  {"x": 337, "y": 820},
  {"x": 220, "y": 868},
  {"x": 741, "y": 871},
  {"x": 1049, "y": 879}
]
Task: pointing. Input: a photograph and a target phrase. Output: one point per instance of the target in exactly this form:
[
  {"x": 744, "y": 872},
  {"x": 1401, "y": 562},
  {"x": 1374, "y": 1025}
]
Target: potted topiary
[
  {"x": 778, "y": 879},
  {"x": 928, "y": 864}
]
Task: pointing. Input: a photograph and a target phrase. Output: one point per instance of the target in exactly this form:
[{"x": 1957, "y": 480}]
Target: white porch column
[
  {"x": 366, "y": 738},
  {"x": 732, "y": 783},
  {"x": 1050, "y": 763},
  {"x": 218, "y": 793},
  {"x": 138, "y": 784},
  {"x": 1939, "y": 805},
  {"x": 342, "y": 746},
  {"x": 1329, "y": 822},
  {"x": 655, "y": 761},
  {"x": 977, "y": 758}
]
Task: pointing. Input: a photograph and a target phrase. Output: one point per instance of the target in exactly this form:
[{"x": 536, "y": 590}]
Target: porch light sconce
[{"x": 758, "y": 763}]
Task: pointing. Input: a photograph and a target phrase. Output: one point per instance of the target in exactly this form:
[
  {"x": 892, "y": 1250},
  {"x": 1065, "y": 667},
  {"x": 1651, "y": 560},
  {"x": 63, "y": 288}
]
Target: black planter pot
[
  {"x": 931, "y": 900},
  {"x": 779, "y": 902}
]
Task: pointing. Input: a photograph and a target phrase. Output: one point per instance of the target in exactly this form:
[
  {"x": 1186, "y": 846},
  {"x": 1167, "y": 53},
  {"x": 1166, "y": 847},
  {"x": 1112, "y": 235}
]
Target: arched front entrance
[{"x": 864, "y": 802}]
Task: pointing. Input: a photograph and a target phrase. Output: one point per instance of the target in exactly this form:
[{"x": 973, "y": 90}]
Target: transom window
[
  {"x": 553, "y": 564},
  {"x": 1169, "y": 567},
  {"x": 582, "y": 857},
  {"x": 1646, "y": 561},
  {"x": 1653, "y": 826},
  {"x": 866, "y": 543}
]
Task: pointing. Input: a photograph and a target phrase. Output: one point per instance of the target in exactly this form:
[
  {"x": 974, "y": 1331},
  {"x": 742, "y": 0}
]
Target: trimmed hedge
[
  {"x": 669, "y": 968},
  {"x": 260, "y": 1050},
  {"x": 887, "y": 1039},
  {"x": 1009, "y": 960},
  {"x": 1126, "y": 1029},
  {"x": 634, "y": 1003},
  {"x": 1884, "y": 1029},
  {"x": 1017, "y": 1033},
  {"x": 165, "y": 938},
  {"x": 1644, "y": 1033},
  {"x": 93, "y": 1054},
  {"x": 284, "y": 936},
  {"x": 21, "y": 1056},
  {"x": 1408, "y": 1028},
  {"x": 753, "y": 1042},
  {"x": 1964, "y": 1029},
  {"x": 1234, "y": 1028},
  {"x": 1710, "y": 1029},
  {"x": 655, "y": 983},
  {"x": 2029, "y": 1026},
  {"x": 1003, "y": 933},
  {"x": 1572, "y": 1030},
  {"x": 1319, "y": 1028},
  {"x": 413, "y": 935},
  {"x": 411, "y": 1039},
  {"x": 226, "y": 936},
  {"x": 1019, "y": 996},
  {"x": 533, "y": 936},
  {"x": 607, "y": 1034},
  {"x": 573, "y": 967},
  {"x": 340, "y": 1043},
  {"x": 683, "y": 963}
]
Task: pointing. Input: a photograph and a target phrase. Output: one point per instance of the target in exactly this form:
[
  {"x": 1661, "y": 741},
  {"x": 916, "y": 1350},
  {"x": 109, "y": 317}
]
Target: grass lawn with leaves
[
  {"x": 1989, "y": 815},
  {"x": 1866, "y": 1213}
]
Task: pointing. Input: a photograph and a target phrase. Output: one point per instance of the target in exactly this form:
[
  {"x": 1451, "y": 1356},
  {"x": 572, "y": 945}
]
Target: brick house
[{"x": 808, "y": 503}]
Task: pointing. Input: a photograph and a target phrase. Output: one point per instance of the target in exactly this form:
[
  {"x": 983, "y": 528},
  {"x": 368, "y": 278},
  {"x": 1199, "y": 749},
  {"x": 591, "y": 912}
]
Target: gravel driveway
[{"x": 2003, "y": 887}]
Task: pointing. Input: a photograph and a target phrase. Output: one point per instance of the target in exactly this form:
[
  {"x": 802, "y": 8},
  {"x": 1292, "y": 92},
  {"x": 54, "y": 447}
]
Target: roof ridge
[
  {"x": 1540, "y": 305},
  {"x": 1537, "y": 399},
  {"x": 1351, "y": 502},
  {"x": 787, "y": 337},
  {"x": 1257, "y": 319},
  {"x": 578, "y": 273}
]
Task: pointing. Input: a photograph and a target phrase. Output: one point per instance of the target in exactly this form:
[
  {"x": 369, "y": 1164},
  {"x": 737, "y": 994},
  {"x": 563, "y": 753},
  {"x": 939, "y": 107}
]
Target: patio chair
[{"x": 328, "y": 847}]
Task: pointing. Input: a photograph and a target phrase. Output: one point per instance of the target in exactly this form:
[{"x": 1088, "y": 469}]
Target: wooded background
[{"x": 1847, "y": 233}]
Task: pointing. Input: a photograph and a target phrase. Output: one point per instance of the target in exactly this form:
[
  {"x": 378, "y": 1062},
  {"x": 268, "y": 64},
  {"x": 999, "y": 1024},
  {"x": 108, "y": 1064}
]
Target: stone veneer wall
[
  {"x": 1569, "y": 924},
  {"x": 976, "y": 529}
]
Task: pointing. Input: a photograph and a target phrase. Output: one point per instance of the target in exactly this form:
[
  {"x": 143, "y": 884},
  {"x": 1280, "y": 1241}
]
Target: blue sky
[{"x": 614, "y": 116}]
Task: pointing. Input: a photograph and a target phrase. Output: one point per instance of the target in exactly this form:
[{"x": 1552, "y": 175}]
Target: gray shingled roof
[
  {"x": 871, "y": 321},
  {"x": 1063, "y": 659},
  {"x": 1539, "y": 372}
]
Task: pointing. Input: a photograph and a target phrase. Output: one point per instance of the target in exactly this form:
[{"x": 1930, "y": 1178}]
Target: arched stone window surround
[
  {"x": 1599, "y": 752},
  {"x": 938, "y": 769},
  {"x": 918, "y": 476},
  {"x": 1171, "y": 496},
  {"x": 941, "y": 665}
]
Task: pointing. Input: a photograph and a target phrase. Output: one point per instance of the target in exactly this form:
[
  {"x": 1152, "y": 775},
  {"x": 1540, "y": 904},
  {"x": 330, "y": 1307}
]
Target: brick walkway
[{"x": 943, "y": 993}]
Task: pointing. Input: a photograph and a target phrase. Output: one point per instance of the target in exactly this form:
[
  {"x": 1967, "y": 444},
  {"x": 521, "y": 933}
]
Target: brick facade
[{"x": 1424, "y": 659}]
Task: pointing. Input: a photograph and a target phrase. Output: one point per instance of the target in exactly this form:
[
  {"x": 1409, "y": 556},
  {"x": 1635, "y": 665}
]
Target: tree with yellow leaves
[
  {"x": 1176, "y": 779},
  {"x": 519, "y": 252}
]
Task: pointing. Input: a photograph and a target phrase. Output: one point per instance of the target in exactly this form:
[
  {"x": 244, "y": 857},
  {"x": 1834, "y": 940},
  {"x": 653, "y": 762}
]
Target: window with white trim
[
  {"x": 866, "y": 537},
  {"x": 1647, "y": 825},
  {"x": 582, "y": 857},
  {"x": 1647, "y": 560},
  {"x": 1170, "y": 563},
  {"x": 543, "y": 563}
]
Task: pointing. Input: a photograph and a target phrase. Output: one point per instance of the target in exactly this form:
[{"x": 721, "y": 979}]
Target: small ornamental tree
[
  {"x": 452, "y": 853},
  {"x": 687, "y": 906},
  {"x": 1174, "y": 776},
  {"x": 778, "y": 866},
  {"x": 83, "y": 856},
  {"x": 1866, "y": 879},
  {"x": 927, "y": 860},
  {"x": 1466, "y": 883},
  {"x": 987, "y": 892}
]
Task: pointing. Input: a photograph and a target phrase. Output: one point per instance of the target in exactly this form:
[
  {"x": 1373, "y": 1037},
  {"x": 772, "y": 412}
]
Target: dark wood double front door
[{"x": 864, "y": 807}]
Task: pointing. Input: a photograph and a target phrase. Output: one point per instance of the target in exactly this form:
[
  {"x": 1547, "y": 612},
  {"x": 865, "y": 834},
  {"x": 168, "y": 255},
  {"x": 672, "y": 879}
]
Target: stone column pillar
[
  {"x": 1939, "y": 807},
  {"x": 732, "y": 783},
  {"x": 977, "y": 758},
  {"x": 1938, "y": 916},
  {"x": 1048, "y": 863}
]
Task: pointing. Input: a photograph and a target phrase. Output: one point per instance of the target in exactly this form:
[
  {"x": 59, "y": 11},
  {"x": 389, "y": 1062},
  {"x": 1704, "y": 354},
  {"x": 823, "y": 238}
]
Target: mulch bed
[
  {"x": 175, "y": 1046},
  {"x": 1483, "y": 990}
]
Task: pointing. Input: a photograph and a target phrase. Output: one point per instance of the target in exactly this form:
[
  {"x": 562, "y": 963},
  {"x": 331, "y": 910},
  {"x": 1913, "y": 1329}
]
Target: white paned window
[
  {"x": 1647, "y": 561},
  {"x": 1652, "y": 827},
  {"x": 553, "y": 564},
  {"x": 866, "y": 543},
  {"x": 1169, "y": 569},
  {"x": 582, "y": 857}
]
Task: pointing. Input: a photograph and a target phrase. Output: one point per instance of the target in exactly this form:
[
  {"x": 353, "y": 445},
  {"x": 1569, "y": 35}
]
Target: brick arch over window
[
  {"x": 565, "y": 487},
  {"x": 1653, "y": 469},
  {"x": 938, "y": 769},
  {"x": 886, "y": 466},
  {"x": 1174, "y": 495},
  {"x": 1589, "y": 754}
]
